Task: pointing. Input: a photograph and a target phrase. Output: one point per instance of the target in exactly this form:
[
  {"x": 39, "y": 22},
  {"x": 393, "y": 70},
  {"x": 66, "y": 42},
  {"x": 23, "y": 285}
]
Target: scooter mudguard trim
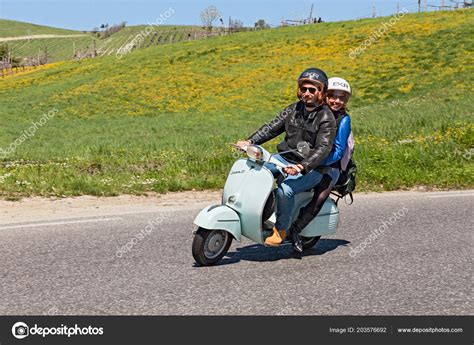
[{"x": 220, "y": 217}]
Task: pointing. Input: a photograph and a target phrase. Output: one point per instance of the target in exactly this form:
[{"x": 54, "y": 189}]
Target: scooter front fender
[{"x": 220, "y": 217}]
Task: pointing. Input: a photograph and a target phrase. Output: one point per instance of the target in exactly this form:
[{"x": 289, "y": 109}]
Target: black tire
[
  {"x": 209, "y": 246},
  {"x": 309, "y": 242}
]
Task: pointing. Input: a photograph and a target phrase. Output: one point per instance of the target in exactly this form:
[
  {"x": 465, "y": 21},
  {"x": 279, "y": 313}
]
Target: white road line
[
  {"x": 59, "y": 223},
  {"x": 450, "y": 195}
]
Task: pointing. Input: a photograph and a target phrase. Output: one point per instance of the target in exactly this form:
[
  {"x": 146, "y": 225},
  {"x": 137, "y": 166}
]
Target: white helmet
[{"x": 339, "y": 84}]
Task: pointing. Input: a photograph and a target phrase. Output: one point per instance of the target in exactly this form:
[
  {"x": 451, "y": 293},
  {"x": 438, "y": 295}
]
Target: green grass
[
  {"x": 59, "y": 49},
  {"x": 12, "y": 28},
  {"x": 161, "y": 118}
]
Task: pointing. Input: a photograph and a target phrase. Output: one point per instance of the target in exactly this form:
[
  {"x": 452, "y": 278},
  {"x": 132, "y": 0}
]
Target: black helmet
[{"x": 314, "y": 75}]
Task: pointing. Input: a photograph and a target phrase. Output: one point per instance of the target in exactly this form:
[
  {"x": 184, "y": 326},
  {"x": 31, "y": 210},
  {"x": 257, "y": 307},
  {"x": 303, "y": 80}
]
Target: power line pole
[
  {"x": 419, "y": 6},
  {"x": 374, "y": 12}
]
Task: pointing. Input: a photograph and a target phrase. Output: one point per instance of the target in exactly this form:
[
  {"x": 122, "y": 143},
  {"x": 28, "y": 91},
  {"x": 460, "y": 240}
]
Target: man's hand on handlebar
[{"x": 293, "y": 169}]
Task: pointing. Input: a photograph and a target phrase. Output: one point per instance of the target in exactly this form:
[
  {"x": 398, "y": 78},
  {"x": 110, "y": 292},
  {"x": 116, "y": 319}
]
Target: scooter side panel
[
  {"x": 326, "y": 221},
  {"x": 249, "y": 184},
  {"x": 219, "y": 217}
]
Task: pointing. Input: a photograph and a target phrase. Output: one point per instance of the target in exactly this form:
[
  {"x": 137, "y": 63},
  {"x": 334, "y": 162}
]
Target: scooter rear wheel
[
  {"x": 309, "y": 242},
  {"x": 209, "y": 246}
]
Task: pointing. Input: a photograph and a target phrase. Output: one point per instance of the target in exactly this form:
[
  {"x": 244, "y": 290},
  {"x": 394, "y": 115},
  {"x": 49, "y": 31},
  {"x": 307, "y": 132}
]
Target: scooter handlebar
[
  {"x": 267, "y": 157},
  {"x": 275, "y": 161},
  {"x": 270, "y": 158}
]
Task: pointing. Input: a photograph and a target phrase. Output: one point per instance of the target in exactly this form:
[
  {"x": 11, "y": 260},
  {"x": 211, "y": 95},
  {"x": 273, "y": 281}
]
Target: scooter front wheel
[{"x": 209, "y": 246}]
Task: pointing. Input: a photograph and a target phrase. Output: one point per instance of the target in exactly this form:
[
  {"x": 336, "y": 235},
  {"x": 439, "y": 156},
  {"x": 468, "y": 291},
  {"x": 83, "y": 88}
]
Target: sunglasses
[
  {"x": 342, "y": 98},
  {"x": 312, "y": 90}
]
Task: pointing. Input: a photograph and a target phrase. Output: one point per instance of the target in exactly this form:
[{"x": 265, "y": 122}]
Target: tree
[
  {"x": 112, "y": 29},
  {"x": 4, "y": 51},
  {"x": 6, "y": 57},
  {"x": 209, "y": 16},
  {"x": 260, "y": 24},
  {"x": 235, "y": 25}
]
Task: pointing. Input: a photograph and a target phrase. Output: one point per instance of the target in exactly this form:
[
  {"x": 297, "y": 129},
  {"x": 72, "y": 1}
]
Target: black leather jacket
[{"x": 318, "y": 128}]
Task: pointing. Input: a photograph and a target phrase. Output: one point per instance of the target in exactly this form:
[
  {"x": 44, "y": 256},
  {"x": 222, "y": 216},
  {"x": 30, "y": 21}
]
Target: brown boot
[
  {"x": 282, "y": 234},
  {"x": 276, "y": 238}
]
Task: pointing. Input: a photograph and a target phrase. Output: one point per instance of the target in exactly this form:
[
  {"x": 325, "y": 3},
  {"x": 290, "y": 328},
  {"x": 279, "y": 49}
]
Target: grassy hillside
[
  {"x": 59, "y": 49},
  {"x": 12, "y": 28},
  {"x": 63, "y": 48},
  {"x": 161, "y": 118}
]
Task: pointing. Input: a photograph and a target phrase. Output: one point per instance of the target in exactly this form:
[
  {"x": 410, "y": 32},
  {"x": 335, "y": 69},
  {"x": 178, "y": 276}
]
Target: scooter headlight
[{"x": 255, "y": 152}]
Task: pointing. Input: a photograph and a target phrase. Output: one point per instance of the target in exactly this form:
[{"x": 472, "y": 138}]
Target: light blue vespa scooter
[{"x": 248, "y": 209}]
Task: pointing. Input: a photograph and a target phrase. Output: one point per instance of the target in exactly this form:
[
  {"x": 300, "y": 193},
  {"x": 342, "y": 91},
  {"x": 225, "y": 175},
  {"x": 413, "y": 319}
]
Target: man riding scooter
[
  {"x": 338, "y": 95},
  {"x": 309, "y": 120}
]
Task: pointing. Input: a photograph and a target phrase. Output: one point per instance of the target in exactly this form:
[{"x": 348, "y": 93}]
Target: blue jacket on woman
[{"x": 340, "y": 142}]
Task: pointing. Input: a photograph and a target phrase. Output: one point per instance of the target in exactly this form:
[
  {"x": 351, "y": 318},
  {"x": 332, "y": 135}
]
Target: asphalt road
[{"x": 420, "y": 265}]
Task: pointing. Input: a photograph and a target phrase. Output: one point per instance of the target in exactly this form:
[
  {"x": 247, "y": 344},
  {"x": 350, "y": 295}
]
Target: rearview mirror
[{"x": 255, "y": 152}]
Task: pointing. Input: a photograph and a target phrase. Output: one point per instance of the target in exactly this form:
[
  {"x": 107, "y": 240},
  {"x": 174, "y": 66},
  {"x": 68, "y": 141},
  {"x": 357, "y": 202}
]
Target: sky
[{"x": 87, "y": 14}]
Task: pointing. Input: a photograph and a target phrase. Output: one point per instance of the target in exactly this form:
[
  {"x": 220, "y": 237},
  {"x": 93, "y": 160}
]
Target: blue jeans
[{"x": 292, "y": 185}]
